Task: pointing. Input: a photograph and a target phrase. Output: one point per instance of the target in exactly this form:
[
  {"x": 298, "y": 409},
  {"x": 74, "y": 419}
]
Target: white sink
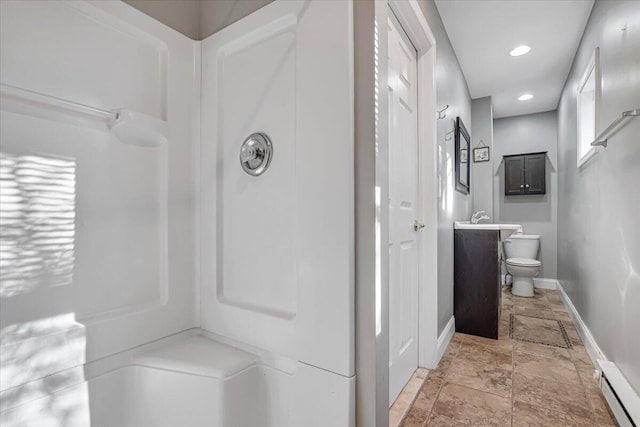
[{"x": 506, "y": 230}]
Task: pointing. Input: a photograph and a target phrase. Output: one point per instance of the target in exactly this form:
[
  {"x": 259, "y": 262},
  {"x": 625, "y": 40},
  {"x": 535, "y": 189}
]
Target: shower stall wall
[
  {"x": 277, "y": 249},
  {"x": 162, "y": 284}
]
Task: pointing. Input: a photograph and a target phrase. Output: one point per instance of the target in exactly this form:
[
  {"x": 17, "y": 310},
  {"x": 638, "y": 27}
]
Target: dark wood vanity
[{"x": 477, "y": 281}]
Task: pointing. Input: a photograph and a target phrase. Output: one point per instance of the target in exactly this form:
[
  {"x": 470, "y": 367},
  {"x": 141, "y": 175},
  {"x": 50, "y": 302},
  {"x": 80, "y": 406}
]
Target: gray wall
[
  {"x": 197, "y": 19},
  {"x": 181, "y": 15},
  {"x": 482, "y": 172},
  {"x": 599, "y": 204},
  {"x": 217, "y": 14},
  {"x": 538, "y": 214},
  {"x": 452, "y": 205}
]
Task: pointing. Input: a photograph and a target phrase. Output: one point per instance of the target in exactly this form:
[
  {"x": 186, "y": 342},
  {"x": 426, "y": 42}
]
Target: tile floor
[{"x": 510, "y": 382}]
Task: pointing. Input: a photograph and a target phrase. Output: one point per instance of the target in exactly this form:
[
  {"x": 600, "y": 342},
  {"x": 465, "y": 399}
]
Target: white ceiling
[{"x": 483, "y": 32}]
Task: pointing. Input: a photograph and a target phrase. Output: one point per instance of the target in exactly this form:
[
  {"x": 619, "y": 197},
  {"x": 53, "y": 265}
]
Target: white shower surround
[{"x": 298, "y": 332}]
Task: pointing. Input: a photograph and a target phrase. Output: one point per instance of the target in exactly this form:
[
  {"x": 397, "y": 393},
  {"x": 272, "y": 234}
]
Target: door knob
[{"x": 417, "y": 225}]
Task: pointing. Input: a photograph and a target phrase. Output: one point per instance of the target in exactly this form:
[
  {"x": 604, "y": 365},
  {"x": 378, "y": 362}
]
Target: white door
[{"x": 403, "y": 247}]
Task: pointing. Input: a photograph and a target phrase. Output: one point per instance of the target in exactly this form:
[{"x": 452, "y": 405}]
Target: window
[{"x": 588, "y": 99}]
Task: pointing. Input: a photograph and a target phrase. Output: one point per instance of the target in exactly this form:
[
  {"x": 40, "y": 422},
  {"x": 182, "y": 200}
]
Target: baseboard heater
[{"x": 621, "y": 397}]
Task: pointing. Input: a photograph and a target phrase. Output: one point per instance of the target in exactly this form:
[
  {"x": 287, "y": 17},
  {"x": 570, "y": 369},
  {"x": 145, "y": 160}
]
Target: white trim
[
  {"x": 619, "y": 384},
  {"x": 415, "y": 25},
  {"x": 542, "y": 283},
  {"x": 592, "y": 67},
  {"x": 445, "y": 338},
  {"x": 619, "y": 392},
  {"x": 588, "y": 340},
  {"x": 539, "y": 282}
]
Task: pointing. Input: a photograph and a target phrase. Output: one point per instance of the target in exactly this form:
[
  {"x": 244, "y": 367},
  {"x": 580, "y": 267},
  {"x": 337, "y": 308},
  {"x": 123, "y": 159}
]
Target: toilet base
[{"x": 522, "y": 286}]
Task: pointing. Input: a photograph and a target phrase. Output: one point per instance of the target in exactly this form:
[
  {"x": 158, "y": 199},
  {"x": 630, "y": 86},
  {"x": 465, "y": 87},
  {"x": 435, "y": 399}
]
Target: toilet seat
[{"x": 524, "y": 262}]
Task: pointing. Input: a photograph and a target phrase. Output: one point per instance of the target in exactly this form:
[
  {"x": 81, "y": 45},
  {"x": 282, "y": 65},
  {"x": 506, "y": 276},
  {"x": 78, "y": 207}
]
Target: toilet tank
[{"x": 522, "y": 246}]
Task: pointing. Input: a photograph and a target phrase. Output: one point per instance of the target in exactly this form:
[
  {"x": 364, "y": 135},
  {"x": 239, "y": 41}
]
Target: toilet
[{"x": 521, "y": 253}]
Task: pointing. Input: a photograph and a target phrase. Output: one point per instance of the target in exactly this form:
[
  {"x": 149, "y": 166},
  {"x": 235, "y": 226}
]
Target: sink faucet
[{"x": 478, "y": 216}]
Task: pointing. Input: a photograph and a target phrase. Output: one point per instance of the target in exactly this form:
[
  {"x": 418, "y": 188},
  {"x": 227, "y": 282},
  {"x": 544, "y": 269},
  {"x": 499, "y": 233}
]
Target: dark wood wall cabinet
[
  {"x": 525, "y": 174},
  {"x": 477, "y": 287}
]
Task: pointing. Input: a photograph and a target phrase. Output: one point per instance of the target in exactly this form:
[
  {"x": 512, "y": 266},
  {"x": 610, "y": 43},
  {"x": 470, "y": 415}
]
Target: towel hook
[{"x": 440, "y": 113}]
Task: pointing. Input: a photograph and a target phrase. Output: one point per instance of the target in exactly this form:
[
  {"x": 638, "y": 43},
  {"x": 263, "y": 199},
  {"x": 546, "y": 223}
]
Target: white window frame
[{"x": 593, "y": 68}]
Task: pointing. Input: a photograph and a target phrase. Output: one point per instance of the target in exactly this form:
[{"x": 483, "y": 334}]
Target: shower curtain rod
[{"x": 41, "y": 98}]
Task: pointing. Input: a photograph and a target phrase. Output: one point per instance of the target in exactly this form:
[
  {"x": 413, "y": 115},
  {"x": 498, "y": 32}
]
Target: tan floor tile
[
  {"x": 456, "y": 339},
  {"x": 403, "y": 402},
  {"x": 527, "y": 415},
  {"x": 554, "y": 294},
  {"x": 504, "y": 330},
  {"x": 549, "y": 386},
  {"x": 421, "y": 408},
  {"x": 543, "y": 350},
  {"x": 442, "y": 369},
  {"x": 538, "y": 330},
  {"x": 421, "y": 373},
  {"x": 535, "y": 302},
  {"x": 436, "y": 420},
  {"x": 601, "y": 411},
  {"x": 501, "y": 342},
  {"x": 534, "y": 312},
  {"x": 481, "y": 376},
  {"x": 491, "y": 356},
  {"x": 555, "y": 302},
  {"x": 457, "y": 405},
  {"x": 588, "y": 381},
  {"x": 395, "y": 416},
  {"x": 566, "y": 398},
  {"x": 564, "y": 318},
  {"x": 580, "y": 356},
  {"x": 573, "y": 335},
  {"x": 545, "y": 367}
]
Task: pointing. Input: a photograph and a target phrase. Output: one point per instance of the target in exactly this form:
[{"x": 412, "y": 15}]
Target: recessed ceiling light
[
  {"x": 520, "y": 50},
  {"x": 525, "y": 97}
]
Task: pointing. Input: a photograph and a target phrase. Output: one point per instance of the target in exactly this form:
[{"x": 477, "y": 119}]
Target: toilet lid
[{"x": 524, "y": 262}]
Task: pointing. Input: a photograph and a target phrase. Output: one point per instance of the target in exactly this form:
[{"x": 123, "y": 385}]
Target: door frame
[{"x": 415, "y": 25}]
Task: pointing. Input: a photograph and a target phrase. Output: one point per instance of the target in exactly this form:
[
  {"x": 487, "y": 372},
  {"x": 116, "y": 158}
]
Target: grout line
[
  {"x": 413, "y": 401},
  {"x": 444, "y": 380},
  {"x": 513, "y": 369}
]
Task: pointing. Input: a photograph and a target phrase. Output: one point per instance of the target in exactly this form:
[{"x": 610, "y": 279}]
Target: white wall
[
  {"x": 599, "y": 204},
  {"x": 99, "y": 254},
  {"x": 537, "y": 214},
  {"x": 452, "y": 205},
  {"x": 482, "y": 172}
]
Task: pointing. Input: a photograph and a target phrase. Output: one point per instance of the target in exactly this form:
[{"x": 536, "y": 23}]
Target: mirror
[{"x": 463, "y": 141}]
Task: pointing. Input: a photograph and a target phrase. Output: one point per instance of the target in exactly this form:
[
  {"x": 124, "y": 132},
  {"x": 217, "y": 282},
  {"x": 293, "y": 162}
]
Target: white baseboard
[
  {"x": 542, "y": 283},
  {"x": 445, "y": 338},
  {"x": 539, "y": 282},
  {"x": 590, "y": 344},
  {"x": 616, "y": 389}
]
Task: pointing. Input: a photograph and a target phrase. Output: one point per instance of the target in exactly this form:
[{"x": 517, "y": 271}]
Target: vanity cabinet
[
  {"x": 477, "y": 287},
  {"x": 525, "y": 174}
]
